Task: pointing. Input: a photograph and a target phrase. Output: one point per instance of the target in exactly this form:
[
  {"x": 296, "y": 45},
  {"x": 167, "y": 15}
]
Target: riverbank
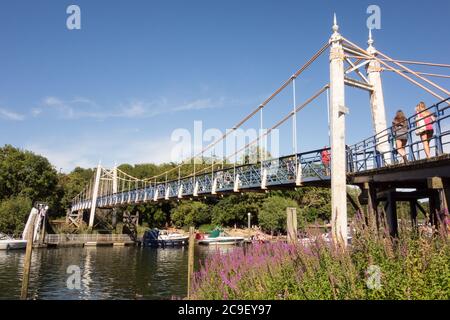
[{"x": 414, "y": 266}]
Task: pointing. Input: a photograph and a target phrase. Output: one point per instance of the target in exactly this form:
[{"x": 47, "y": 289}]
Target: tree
[
  {"x": 70, "y": 185},
  {"x": 23, "y": 173},
  {"x": 13, "y": 215},
  {"x": 233, "y": 210},
  {"x": 272, "y": 216},
  {"x": 190, "y": 213}
]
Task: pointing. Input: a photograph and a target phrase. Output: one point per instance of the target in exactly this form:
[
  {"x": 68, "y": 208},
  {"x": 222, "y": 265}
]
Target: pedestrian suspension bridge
[{"x": 373, "y": 164}]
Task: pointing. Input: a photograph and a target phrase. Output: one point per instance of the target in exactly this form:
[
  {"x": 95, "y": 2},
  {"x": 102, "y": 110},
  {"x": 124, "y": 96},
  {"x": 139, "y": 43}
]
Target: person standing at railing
[
  {"x": 400, "y": 130},
  {"x": 424, "y": 125},
  {"x": 326, "y": 159}
]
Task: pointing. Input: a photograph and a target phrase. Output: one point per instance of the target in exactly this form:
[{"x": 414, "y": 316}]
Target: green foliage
[
  {"x": 190, "y": 213},
  {"x": 412, "y": 267},
  {"x": 234, "y": 209},
  {"x": 72, "y": 184},
  {"x": 272, "y": 216},
  {"x": 13, "y": 215},
  {"x": 206, "y": 228},
  {"x": 314, "y": 203},
  {"x": 22, "y": 173}
]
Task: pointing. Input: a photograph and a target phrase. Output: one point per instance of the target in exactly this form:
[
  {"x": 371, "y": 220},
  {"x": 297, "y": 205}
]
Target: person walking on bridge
[
  {"x": 424, "y": 125},
  {"x": 400, "y": 130}
]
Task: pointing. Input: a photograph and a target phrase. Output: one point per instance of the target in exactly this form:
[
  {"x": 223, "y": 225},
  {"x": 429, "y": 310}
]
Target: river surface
[{"x": 105, "y": 272}]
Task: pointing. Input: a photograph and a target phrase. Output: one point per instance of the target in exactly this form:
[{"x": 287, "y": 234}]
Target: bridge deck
[
  {"x": 411, "y": 175},
  {"x": 367, "y": 161}
]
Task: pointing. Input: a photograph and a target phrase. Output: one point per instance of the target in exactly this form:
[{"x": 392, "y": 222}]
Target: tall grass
[{"x": 412, "y": 266}]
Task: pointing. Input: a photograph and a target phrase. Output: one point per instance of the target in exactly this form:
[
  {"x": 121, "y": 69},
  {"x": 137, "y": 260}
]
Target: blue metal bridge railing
[
  {"x": 366, "y": 154},
  {"x": 290, "y": 170}
]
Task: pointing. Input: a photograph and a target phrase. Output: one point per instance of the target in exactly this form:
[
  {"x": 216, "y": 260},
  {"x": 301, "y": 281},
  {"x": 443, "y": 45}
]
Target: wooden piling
[
  {"x": 190, "y": 260},
  {"x": 372, "y": 203},
  {"x": 413, "y": 210},
  {"x": 291, "y": 224},
  {"x": 391, "y": 214},
  {"x": 27, "y": 262}
]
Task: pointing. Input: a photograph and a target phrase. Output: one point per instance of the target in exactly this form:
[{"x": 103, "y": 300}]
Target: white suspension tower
[
  {"x": 338, "y": 152},
  {"x": 377, "y": 100}
]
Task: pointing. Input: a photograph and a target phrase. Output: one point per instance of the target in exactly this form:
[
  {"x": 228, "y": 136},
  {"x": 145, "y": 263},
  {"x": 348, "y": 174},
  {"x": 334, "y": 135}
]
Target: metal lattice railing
[
  {"x": 367, "y": 154},
  {"x": 270, "y": 173},
  {"x": 292, "y": 169}
]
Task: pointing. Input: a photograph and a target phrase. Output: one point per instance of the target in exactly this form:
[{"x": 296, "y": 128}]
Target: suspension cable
[
  {"x": 414, "y": 73},
  {"x": 420, "y": 63},
  {"x": 270, "y": 98},
  {"x": 423, "y": 73},
  {"x": 399, "y": 73}
]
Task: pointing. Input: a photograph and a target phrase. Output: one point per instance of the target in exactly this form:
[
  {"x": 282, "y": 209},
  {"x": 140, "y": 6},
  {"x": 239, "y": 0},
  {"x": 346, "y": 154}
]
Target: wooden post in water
[
  {"x": 249, "y": 226},
  {"x": 190, "y": 260},
  {"x": 29, "y": 250},
  {"x": 291, "y": 225}
]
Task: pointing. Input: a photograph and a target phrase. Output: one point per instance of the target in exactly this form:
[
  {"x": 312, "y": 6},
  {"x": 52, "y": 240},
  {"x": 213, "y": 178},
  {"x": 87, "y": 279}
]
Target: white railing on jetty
[{"x": 83, "y": 238}]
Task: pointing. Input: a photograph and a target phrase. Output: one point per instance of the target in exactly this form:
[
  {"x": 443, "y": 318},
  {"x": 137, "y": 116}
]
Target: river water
[{"x": 105, "y": 272}]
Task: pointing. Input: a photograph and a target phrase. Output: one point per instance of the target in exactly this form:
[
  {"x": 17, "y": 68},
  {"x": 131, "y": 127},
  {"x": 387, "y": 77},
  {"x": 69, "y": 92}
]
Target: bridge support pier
[
  {"x": 413, "y": 211},
  {"x": 372, "y": 203},
  {"x": 391, "y": 213},
  {"x": 439, "y": 192},
  {"x": 94, "y": 196}
]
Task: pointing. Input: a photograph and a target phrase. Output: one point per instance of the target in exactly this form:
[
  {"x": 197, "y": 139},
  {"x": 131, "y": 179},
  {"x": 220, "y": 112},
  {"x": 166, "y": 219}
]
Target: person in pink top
[{"x": 424, "y": 124}]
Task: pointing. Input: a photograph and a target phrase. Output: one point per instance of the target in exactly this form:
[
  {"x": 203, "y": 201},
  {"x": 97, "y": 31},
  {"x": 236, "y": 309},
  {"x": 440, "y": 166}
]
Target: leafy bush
[
  {"x": 190, "y": 213},
  {"x": 272, "y": 216},
  {"x": 206, "y": 228},
  {"x": 22, "y": 173},
  {"x": 233, "y": 210},
  {"x": 13, "y": 215}
]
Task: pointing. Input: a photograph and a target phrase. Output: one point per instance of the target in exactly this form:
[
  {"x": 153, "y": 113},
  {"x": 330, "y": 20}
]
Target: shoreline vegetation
[{"x": 375, "y": 266}]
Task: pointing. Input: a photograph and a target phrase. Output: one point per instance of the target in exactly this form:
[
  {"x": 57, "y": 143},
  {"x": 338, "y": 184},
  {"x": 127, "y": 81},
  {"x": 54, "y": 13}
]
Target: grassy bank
[{"x": 414, "y": 266}]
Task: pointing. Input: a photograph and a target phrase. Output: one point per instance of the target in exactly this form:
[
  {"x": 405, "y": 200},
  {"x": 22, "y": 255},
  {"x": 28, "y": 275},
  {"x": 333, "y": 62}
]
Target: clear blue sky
[{"x": 116, "y": 89}]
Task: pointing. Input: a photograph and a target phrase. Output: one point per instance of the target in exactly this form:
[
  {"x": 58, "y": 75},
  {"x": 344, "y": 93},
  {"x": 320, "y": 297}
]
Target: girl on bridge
[
  {"x": 424, "y": 125},
  {"x": 400, "y": 128}
]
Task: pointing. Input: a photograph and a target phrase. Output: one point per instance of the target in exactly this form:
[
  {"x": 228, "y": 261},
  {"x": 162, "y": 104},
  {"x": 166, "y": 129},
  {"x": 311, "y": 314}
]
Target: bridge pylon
[
  {"x": 95, "y": 195},
  {"x": 337, "y": 132},
  {"x": 377, "y": 101}
]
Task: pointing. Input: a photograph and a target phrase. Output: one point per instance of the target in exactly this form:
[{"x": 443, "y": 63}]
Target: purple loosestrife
[{"x": 413, "y": 266}]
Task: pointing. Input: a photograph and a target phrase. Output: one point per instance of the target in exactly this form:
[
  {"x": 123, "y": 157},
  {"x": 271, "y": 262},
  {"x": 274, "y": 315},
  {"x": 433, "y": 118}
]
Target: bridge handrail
[{"x": 370, "y": 147}]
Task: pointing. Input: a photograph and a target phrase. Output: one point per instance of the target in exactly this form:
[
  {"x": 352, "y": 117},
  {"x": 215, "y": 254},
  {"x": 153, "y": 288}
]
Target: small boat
[
  {"x": 157, "y": 238},
  {"x": 218, "y": 237},
  {"x": 8, "y": 243},
  {"x": 326, "y": 237},
  {"x": 37, "y": 215}
]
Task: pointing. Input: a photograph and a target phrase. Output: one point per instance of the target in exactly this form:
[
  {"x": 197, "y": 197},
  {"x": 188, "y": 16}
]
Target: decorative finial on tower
[
  {"x": 335, "y": 25},
  {"x": 370, "y": 41}
]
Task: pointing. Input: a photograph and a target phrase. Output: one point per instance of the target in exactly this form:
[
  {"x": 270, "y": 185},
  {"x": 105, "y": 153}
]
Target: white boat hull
[
  {"x": 221, "y": 241},
  {"x": 13, "y": 244}
]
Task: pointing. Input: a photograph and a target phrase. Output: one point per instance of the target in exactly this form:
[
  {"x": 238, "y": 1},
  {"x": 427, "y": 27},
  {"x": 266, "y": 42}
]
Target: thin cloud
[
  {"x": 10, "y": 115},
  {"x": 200, "y": 104},
  {"x": 88, "y": 152},
  {"x": 85, "y": 108},
  {"x": 36, "y": 111}
]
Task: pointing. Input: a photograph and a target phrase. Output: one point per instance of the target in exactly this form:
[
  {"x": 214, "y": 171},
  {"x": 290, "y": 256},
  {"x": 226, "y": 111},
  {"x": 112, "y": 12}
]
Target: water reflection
[{"x": 106, "y": 272}]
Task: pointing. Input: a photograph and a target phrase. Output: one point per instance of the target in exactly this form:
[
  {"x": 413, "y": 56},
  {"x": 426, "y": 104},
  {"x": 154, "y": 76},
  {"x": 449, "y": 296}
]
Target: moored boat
[
  {"x": 157, "y": 238},
  {"x": 218, "y": 237},
  {"x": 8, "y": 243}
]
